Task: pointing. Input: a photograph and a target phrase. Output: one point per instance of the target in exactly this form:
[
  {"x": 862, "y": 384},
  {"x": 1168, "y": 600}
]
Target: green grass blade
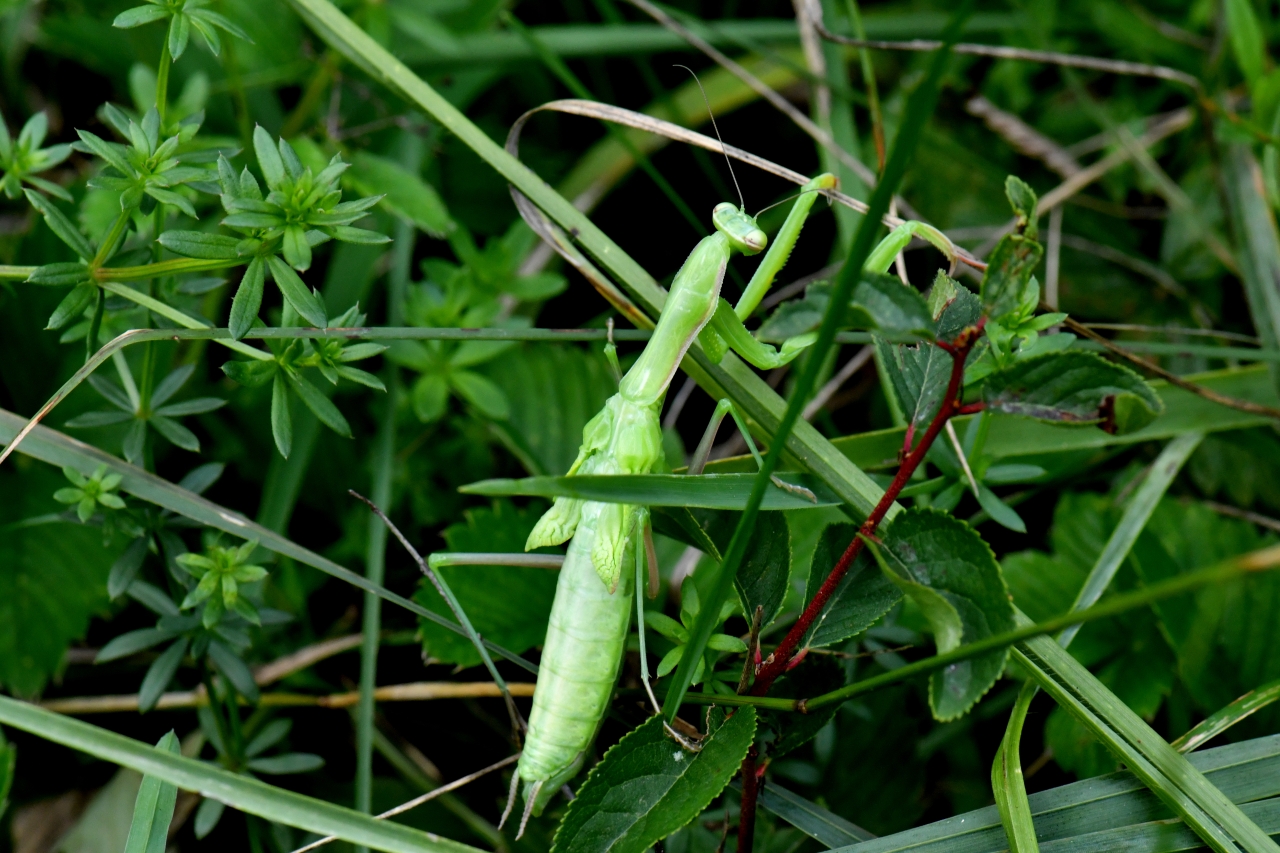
[
  {"x": 153, "y": 808},
  {"x": 1221, "y": 720},
  {"x": 241, "y": 792},
  {"x": 809, "y": 817},
  {"x": 1244, "y": 772},
  {"x": 1136, "y": 515},
  {"x": 1212, "y": 816},
  {"x": 715, "y": 491},
  {"x": 55, "y": 448},
  {"x": 1007, "y": 782}
]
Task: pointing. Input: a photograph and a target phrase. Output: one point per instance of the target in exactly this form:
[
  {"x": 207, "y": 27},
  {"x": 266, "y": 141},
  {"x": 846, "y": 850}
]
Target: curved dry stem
[{"x": 562, "y": 242}]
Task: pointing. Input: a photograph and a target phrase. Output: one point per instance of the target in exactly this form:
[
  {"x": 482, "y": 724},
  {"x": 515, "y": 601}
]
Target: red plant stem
[
  {"x": 783, "y": 657},
  {"x": 750, "y": 794},
  {"x": 776, "y": 663}
]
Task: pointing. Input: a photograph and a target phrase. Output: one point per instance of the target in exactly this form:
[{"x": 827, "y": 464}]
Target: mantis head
[{"x": 744, "y": 234}]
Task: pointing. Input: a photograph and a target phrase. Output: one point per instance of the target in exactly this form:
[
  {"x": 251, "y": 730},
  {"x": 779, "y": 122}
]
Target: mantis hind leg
[{"x": 703, "y": 451}]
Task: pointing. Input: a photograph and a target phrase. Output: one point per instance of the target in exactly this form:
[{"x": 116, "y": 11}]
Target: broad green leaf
[
  {"x": 54, "y": 580},
  {"x": 1015, "y": 257},
  {"x": 766, "y": 569},
  {"x": 647, "y": 786},
  {"x": 56, "y": 275},
  {"x": 552, "y": 392},
  {"x": 139, "y": 15},
  {"x": 786, "y": 731},
  {"x": 708, "y": 491},
  {"x": 951, "y": 574},
  {"x": 882, "y": 302},
  {"x": 240, "y": 792},
  {"x": 862, "y": 597},
  {"x": 507, "y": 604},
  {"x": 153, "y": 809},
  {"x": 1074, "y": 388},
  {"x": 403, "y": 192},
  {"x": 919, "y": 374}
]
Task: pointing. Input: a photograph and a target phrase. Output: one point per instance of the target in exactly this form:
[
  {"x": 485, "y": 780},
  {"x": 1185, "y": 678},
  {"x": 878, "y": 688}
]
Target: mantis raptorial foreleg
[{"x": 703, "y": 451}]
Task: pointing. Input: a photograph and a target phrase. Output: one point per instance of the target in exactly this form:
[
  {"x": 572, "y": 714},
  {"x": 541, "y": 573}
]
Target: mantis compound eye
[
  {"x": 756, "y": 239},
  {"x": 724, "y": 207}
]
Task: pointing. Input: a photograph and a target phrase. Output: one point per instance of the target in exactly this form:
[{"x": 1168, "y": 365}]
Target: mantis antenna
[
  {"x": 714, "y": 127},
  {"x": 784, "y": 201}
]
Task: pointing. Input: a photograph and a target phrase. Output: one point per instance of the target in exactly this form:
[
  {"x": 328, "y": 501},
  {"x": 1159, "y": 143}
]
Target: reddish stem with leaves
[{"x": 784, "y": 656}]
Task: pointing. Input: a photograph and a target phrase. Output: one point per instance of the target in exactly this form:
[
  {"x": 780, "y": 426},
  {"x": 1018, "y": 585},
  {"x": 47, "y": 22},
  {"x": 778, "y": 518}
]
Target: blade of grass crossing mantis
[
  {"x": 919, "y": 107},
  {"x": 1209, "y": 813},
  {"x": 240, "y": 792},
  {"x": 58, "y": 449},
  {"x": 731, "y": 378},
  {"x": 153, "y": 809},
  {"x": 1006, "y": 771}
]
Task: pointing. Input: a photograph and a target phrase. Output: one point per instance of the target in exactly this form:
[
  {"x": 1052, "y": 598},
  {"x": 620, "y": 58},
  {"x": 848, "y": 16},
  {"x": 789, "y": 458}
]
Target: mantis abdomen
[{"x": 580, "y": 661}]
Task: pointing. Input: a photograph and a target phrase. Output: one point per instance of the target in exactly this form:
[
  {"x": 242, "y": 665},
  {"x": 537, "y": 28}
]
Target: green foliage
[
  {"x": 948, "y": 572},
  {"x": 647, "y": 786},
  {"x": 220, "y": 571},
  {"x": 153, "y": 809},
  {"x": 507, "y": 604},
  {"x": 863, "y": 596},
  {"x": 183, "y": 16},
  {"x": 678, "y": 633},
  {"x": 23, "y": 159}
]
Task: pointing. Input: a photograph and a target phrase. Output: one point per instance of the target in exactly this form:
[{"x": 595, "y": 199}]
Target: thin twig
[
  {"x": 1170, "y": 377},
  {"x": 822, "y": 137},
  {"x": 303, "y": 658},
  {"x": 1070, "y": 60},
  {"x": 1235, "y": 512},
  {"x": 419, "y": 800},
  {"x": 852, "y": 366},
  {"x": 1053, "y": 257},
  {"x": 418, "y": 691},
  {"x": 1176, "y": 330},
  {"x": 1022, "y": 137},
  {"x": 1141, "y": 266},
  {"x": 518, "y": 724},
  {"x": 964, "y": 460}
]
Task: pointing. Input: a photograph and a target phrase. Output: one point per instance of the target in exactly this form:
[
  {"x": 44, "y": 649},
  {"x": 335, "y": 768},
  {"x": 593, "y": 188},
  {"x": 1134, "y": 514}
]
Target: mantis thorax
[{"x": 744, "y": 234}]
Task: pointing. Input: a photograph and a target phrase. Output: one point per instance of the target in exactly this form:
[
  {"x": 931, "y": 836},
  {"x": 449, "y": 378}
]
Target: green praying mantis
[{"x": 591, "y": 613}]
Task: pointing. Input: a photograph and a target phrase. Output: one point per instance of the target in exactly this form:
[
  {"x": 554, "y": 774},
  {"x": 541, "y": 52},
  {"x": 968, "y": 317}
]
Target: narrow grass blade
[
  {"x": 714, "y": 491},
  {"x": 1244, "y": 772},
  {"x": 153, "y": 808},
  {"x": 1204, "y": 808},
  {"x": 809, "y": 817},
  {"x": 1221, "y": 720},
  {"x": 1136, "y": 515},
  {"x": 55, "y": 448},
  {"x": 1007, "y": 783},
  {"x": 241, "y": 792}
]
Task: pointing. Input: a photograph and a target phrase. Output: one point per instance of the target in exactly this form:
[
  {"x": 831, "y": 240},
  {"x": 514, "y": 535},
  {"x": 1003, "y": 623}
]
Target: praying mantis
[{"x": 591, "y": 613}]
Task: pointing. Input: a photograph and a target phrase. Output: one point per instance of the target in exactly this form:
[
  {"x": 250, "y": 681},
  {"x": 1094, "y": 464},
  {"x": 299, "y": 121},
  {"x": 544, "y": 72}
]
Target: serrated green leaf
[
  {"x": 1009, "y": 267},
  {"x": 948, "y": 570},
  {"x": 863, "y": 595},
  {"x": 919, "y": 375},
  {"x": 882, "y": 302},
  {"x": 765, "y": 572},
  {"x": 1074, "y": 388},
  {"x": 647, "y": 786}
]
